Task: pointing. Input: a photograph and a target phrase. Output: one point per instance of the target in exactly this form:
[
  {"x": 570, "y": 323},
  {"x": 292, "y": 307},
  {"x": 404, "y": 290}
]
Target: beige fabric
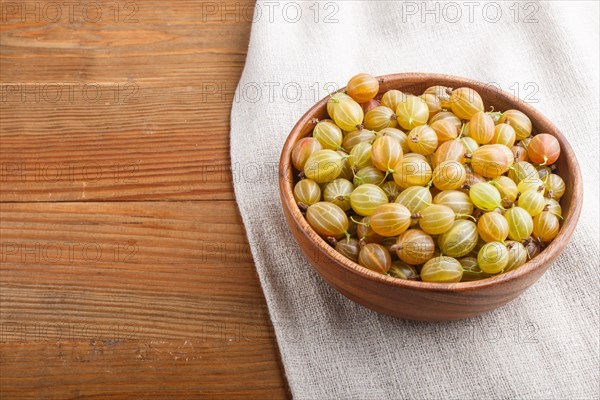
[{"x": 544, "y": 344}]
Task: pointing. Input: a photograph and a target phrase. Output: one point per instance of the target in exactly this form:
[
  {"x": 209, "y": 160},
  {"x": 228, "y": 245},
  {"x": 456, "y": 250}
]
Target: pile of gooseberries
[{"x": 431, "y": 187}]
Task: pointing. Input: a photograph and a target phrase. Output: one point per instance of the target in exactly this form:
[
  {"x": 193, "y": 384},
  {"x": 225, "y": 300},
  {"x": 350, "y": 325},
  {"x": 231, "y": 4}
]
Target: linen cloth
[{"x": 542, "y": 345}]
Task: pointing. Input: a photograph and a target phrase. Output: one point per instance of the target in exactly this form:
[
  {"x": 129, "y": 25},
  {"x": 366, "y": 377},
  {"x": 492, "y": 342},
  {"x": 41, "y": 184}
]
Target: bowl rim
[{"x": 546, "y": 256}]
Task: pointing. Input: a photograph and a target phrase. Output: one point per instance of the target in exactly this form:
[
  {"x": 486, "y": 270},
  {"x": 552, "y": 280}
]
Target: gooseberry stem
[
  {"x": 387, "y": 173},
  {"x": 358, "y": 222},
  {"x": 468, "y": 216},
  {"x": 462, "y": 130},
  {"x": 347, "y": 237}
]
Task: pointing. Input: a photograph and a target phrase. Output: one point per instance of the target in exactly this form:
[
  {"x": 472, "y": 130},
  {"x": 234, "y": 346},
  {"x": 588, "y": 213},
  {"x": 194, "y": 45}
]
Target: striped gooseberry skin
[
  {"x": 517, "y": 255},
  {"x": 545, "y": 226},
  {"x": 522, "y": 170},
  {"x": 414, "y": 247},
  {"x": 360, "y": 156},
  {"x": 504, "y": 134},
  {"x": 397, "y": 134},
  {"x": 446, "y": 115},
  {"x": 532, "y": 201},
  {"x": 362, "y": 87},
  {"x": 519, "y": 121},
  {"x": 422, "y": 140},
  {"x": 357, "y": 136},
  {"x": 493, "y": 257},
  {"x": 530, "y": 184},
  {"x": 489, "y": 161},
  {"x": 507, "y": 187},
  {"x": 543, "y": 149},
  {"x": 365, "y": 232},
  {"x": 555, "y": 186},
  {"x": 520, "y": 224},
  {"x": 411, "y": 112},
  {"x": 442, "y": 93},
  {"x": 303, "y": 149},
  {"x": 492, "y": 227},
  {"x": 390, "y": 219},
  {"x": 415, "y": 198},
  {"x": 445, "y": 130},
  {"x": 433, "y": 103},
  {"x": 465, "y": 102},
  {"x": 327, "y": 219},
  {"x": 554, "y": 207},
  {"x": 375, "y": 257},
  {"x": 470, "y": 144},
  {"x": 412, "y": 172},
  {"x": 323, "y": 166},
  {"x": 391, "y": 189},
  {"x": 346, "y": 172},
  {"x": 460, "y": 239},
  {"x": 328, "y": 134},
  {"x": 366, "y": 198},
  {"x": 379, "y": 118},
  {"x": 402, "y": 270},
  {"x": 392, "y": 98},
  {"x": 519, "y": 153},
  {"x": 349, "y": 248},
  {"x": 452, "y": 150},
  {"x": 442, "y": 269},
  {"x": 507, "y": 152},
  {"x": 481, "y": 128},
  {"x": 416, "y": 156},
  {"x": 334, "y": 100},
  {"x": 307, "y": 192},
  {"x": 458, "y": 201},
  {"x": 386, "y": 152},
  {"x": 348, "y": 115},
  {"x": 449, "y": 175},
  {"x": 464, "y": 129},
  {"x": 436, "y": 219},
  {"x": 338, "y": 192},
  {"x": 368, "y": 174},
  {"x": 485, "y": 196}
]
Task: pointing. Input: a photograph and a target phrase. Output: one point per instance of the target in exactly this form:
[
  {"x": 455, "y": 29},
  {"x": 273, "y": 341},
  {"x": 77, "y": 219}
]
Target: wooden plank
[
  {"x": 122, "y": 108},
  {"x": 130, "y": 300}
]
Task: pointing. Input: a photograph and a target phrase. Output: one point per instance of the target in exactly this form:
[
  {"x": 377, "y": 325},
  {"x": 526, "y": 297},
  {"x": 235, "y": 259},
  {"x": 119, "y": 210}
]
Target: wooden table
[{"x": 126, "y": 272}]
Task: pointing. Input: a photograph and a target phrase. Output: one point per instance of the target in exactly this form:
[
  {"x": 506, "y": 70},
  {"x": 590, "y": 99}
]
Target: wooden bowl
[{"x": 421, "y": 300}]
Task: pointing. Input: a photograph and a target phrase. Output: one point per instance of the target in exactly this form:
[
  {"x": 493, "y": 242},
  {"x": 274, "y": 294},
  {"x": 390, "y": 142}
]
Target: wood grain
[
  {"x": 132, "y": 299},
  {"x": 146, "y": 290},
  {"x": 418, "y": 300},
  {"x": 159, "y": 128}
]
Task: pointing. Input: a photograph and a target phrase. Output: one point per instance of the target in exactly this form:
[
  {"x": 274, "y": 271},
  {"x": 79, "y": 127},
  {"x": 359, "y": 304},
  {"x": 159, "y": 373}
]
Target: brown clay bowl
[{"x": 420, "y": 300}]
